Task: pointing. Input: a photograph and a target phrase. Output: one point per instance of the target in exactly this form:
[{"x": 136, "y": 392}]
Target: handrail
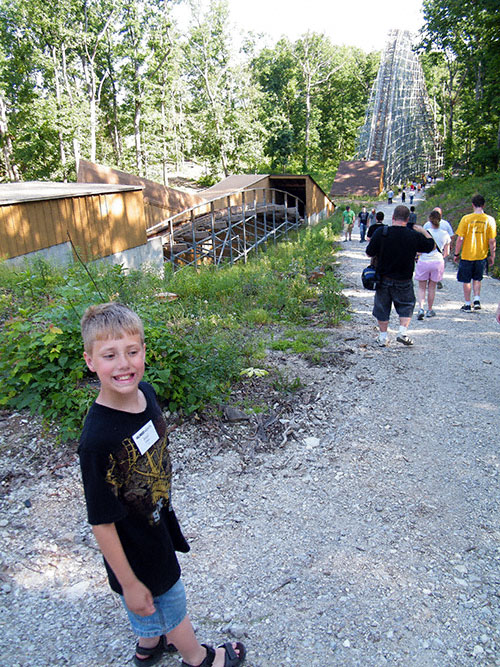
[
  {"x": 247, "y": 226},
  {"x": 166, "y": 221}
]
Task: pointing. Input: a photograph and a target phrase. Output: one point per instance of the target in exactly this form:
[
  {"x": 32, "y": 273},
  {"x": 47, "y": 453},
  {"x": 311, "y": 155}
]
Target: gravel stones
[{"x": 355, "y": 522}]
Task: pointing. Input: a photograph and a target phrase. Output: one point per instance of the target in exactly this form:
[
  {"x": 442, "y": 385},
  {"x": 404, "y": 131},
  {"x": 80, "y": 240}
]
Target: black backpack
[{"x": 369, "y": 277}]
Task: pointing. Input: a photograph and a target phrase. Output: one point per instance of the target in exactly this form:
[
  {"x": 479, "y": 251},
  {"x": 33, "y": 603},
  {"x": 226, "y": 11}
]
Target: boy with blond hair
[{"x": 127, "y": 474}]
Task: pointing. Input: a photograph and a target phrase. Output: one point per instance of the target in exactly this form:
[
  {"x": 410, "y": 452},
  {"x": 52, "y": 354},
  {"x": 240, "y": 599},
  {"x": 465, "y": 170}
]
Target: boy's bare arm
[{"x": 137, "y": 596}]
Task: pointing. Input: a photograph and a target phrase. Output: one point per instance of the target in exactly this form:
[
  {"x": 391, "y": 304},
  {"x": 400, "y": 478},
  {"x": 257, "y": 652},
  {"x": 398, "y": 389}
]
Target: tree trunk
[
  {"x": 76, "y": 153},
  {"x": 10, "y": 167},
  {"x": 214, "y": 106},
  {"x": 164, "y": 138},
  {"x": 114, "y": 126},
  {"x": 69, "y": 92},
  {"x": 308, "y": 122},
  {"x": 479, "y": 82},
  {"x": 89, "y": 76},
  {"x": 60, "y": 135},
  {"x": 137, "y": 137}
]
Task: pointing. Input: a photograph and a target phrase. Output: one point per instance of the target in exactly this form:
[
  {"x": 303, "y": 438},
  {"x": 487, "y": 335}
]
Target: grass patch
[{"x": 299, "y": 341}]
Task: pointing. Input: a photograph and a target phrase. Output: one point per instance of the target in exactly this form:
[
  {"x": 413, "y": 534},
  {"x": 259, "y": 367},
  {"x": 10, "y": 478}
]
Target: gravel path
[{"x": 365, "y": 532}]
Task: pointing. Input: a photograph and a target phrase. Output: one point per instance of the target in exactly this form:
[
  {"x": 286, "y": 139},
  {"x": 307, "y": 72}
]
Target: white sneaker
[{"x": 383, "y": 342}]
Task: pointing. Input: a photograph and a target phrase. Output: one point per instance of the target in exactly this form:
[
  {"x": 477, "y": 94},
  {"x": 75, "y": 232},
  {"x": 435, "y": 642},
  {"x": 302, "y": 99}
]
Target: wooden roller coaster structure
[
  {"x": 228, "y": 228},
  {"x": 399, "y": 127}
]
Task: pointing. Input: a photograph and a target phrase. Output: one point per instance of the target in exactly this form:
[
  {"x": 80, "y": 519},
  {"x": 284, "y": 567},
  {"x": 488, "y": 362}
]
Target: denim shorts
[
  {"x": 469, "y": 270},
  {"x": 171, "y": 610},
  {"x": 397, "y": 292}
]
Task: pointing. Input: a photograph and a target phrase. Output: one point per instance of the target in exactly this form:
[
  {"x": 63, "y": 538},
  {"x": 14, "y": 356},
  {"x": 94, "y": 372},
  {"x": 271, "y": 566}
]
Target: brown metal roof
[
  {"x": 17, "y": 193},
  {"x": 358, "y": 177},
  {"x": 154, "y": 193},
  {"x": 232, "y": 184}
]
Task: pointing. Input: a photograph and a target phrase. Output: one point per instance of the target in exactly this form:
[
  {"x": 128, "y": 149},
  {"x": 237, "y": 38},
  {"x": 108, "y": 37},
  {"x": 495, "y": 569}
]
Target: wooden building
[
  {"x": 120, "y": 217},
  {"x": 160, "y": 202},
  {"x": 100, "y": 220},
  {"x": 316, "y": 203}
]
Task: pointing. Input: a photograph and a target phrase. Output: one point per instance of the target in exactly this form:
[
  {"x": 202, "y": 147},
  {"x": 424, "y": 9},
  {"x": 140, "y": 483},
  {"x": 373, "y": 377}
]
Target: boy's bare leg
[{"x": 192, "y": 652}]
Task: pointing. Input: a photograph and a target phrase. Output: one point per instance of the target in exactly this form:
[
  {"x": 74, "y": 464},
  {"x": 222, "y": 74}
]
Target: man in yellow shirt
[{"x": 476, "y": 234}]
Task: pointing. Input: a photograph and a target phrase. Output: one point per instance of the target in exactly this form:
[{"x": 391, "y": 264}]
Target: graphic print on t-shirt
[{"x": 141, "y": 481}]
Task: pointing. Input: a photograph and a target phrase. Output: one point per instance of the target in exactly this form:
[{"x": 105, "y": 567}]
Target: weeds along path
[{"x": 355, "y": 522}]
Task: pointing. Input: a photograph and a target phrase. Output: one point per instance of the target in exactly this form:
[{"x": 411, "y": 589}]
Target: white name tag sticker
[{"x": 145, "y": 437}]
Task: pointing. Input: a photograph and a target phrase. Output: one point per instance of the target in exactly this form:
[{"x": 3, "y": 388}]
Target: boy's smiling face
[{"x": 119, "y": 364}]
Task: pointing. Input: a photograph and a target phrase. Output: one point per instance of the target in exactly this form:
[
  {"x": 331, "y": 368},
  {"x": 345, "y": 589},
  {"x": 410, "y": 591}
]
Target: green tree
[
  {"x": 315, "y": 96},
  {"x": 462, "y": 39},
  {"x": 223, "y": 123}
]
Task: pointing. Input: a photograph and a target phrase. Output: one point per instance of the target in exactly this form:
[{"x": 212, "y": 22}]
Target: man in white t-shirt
[{"x": 430, "y": 266}]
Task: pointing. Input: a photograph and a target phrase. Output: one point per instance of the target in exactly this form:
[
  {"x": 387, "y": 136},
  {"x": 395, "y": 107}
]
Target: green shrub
[
  {"x": 257, "y": 316},
  {"x": 41, "y": 369},
  {"x": 197, "y": 345}
]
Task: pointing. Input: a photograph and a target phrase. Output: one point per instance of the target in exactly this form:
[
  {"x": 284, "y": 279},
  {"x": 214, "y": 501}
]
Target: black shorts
[
  {"x": 397, "y": 292},
  {"x": 469, "y": 270}
]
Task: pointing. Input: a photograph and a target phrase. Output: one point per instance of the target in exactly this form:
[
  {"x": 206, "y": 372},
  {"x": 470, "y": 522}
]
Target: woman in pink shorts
[{"x": 430, "y": 266}]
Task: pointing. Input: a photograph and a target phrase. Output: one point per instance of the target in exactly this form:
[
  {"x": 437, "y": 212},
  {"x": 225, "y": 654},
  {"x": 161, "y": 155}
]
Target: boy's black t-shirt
[
  {"x": 400, "y": 246},
  {"x": 132, "y": 490}
]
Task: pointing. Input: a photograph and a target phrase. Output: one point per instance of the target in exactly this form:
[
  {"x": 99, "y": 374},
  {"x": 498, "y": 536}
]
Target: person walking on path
[
  {"x": 395, "y": 254},
  {"x": 372, "y": 219},
  {"x": 348, "y": 218},
  {"x": 444, "y": 224},
  {"x": 430, "y": 265},
  {"x": 363, "y": 223},
  {"x": 412, "y": 220},
  {"x": 403, "y": 196},
  {"x": 126, "y": 472},
  {"x": 476, "y": 234},
  {"x": 390, "y": 195},
  {"x": 379, "y": 222}
]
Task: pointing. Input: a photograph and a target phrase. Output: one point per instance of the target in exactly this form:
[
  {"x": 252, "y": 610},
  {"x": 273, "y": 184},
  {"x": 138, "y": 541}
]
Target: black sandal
[
  {"x": 153, "y": 655},
  {"x": 231, "y": 659}
]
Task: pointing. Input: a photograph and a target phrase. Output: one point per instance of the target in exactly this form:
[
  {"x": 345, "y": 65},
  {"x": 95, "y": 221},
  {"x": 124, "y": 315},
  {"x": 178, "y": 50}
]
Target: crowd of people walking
[{"x": 405, "y": 250}]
